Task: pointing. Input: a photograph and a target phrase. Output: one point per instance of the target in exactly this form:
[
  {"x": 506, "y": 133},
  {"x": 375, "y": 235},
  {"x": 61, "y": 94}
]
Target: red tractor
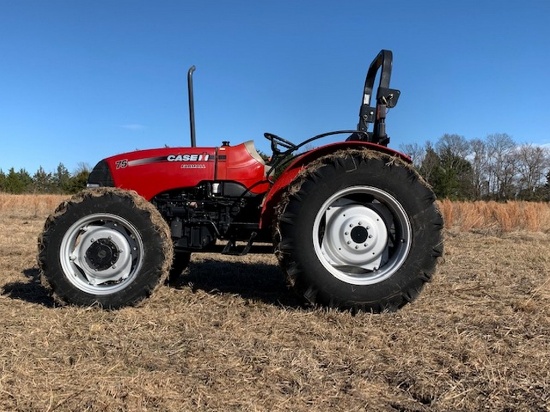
[{"x": 352, "y": 223}]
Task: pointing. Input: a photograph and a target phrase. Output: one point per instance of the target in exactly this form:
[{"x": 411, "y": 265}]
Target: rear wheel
[
  {"x": 107, "y": 246},
  {"x": 359, "y": 230}
]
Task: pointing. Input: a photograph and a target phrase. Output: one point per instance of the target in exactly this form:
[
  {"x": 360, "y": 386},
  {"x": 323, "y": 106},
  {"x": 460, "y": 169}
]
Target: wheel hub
[
  {"x": 102, "y": 254},
  {"x": 355, "y": 235},
  {"x": 359, "y": 234}
]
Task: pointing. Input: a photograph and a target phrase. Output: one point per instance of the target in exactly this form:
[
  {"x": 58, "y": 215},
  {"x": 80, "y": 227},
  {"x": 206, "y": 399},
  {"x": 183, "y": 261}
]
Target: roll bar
[{"x": 385, "y": 97}]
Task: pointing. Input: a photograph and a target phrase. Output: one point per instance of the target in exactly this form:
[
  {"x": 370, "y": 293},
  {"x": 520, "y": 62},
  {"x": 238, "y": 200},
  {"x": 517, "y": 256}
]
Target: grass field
[{"x": 231, "y": 337}]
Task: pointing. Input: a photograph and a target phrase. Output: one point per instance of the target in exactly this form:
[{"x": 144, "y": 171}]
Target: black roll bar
[{"x": 385, "y": 97}]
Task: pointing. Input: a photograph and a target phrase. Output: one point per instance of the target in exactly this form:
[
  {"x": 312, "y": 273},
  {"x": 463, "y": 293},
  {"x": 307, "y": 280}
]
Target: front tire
[
  {"x": 359, "y": 230},
  {"x": 106, "y": 246}
]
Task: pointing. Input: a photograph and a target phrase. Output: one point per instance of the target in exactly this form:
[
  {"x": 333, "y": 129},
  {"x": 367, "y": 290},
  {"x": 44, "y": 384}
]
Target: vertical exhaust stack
[{"x": 191, "y": 104}]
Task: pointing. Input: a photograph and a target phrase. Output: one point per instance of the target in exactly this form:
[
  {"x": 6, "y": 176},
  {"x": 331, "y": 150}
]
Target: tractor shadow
[
  {"x": 31, "y": 291},
  {"x": 252, "y": 281}
]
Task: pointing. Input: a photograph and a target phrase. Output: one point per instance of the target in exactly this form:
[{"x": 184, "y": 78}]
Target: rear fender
[{"x": 273, "y": 197}]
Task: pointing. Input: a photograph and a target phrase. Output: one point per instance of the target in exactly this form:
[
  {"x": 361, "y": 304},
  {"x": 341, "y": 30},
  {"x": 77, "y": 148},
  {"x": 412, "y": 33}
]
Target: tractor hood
[{"x": 153, "y": 171}]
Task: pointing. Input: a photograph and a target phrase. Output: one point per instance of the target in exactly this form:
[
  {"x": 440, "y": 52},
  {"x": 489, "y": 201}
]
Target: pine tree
[
  {"x": 2, "y": 180},
  {"x": 62, "y": 179},
  {"x": 43, "y": 181}
]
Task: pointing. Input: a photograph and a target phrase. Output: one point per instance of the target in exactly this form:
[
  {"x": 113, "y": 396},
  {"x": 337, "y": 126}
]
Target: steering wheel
[{"x": 277, "y": 140}]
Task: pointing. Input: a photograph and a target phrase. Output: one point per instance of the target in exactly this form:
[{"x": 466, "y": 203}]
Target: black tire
[
  {"x": 106, "y": 247},
  {"x": 179, "y": 264},
  {"x": 359, "y": 230}
]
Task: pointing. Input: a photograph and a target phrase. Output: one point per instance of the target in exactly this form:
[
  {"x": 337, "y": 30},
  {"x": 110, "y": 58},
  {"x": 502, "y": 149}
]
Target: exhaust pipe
[{"x": 191, "y": 104}]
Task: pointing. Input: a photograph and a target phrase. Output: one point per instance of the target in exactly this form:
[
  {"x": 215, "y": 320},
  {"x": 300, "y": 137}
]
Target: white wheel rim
[
  {"x": 362, "y": 235},
  {"x": 101, "y": 253}
]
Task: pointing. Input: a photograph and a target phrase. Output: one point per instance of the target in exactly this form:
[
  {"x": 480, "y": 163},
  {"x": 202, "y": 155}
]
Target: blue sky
[{"x": 81, "y": 80}]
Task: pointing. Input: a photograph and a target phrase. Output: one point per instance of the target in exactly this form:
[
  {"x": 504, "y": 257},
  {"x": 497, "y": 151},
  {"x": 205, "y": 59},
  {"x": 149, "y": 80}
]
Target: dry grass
[
  {"x": 496, "y": 218},
  {"x": 28, "y": 205},
  {"x": 479, "y": 217},
  {"x": 230, "y": 337}
]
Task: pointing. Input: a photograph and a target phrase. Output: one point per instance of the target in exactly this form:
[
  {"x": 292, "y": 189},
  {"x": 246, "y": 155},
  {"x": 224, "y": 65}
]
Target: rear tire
[
  {"x": 106, "y": 247},
  {"x": 359, "y": 230}
]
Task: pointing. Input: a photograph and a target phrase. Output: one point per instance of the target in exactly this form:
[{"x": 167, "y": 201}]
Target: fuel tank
[{"x": 153, "y": 171}]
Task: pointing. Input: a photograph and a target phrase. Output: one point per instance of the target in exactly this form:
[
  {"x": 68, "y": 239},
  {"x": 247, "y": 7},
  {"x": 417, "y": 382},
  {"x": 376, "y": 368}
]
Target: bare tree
[
  {"x": 500, "y": 147},
  {"x": 480, "y": 168},
  {"x": 508, "y": 177},
  {"x": 453, "y": 144},
  {"x": 415, "y": 151},
  {"x": 531, "y": 166}
]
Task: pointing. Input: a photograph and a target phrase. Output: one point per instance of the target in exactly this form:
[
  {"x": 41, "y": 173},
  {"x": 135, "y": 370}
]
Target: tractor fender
[{"x": 273, "y": 197}]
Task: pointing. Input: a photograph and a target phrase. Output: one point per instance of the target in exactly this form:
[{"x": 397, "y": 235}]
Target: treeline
[
  {"x": 61, "y": 181},
  {"x": 494, "y": 168}
]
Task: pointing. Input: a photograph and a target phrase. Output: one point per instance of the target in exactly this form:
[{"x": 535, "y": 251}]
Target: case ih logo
[
  {"x": 188, "y": 158},
  {"x": 202, "y": 157}
]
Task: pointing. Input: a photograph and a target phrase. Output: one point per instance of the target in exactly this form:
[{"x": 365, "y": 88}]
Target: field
[{"x": 230, "y": 336}]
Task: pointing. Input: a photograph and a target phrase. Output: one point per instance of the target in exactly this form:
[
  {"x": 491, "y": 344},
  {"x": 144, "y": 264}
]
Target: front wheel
[
  {"x": 359, "y": 230},
  {"x": 105, "y": 246}
]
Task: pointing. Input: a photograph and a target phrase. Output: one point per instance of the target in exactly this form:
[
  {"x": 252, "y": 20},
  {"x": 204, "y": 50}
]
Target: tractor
[{"x": 352, "y": 224}]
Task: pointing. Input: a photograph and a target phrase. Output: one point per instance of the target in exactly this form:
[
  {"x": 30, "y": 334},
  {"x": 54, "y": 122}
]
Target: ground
[{"x": 230, "y": 336}]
